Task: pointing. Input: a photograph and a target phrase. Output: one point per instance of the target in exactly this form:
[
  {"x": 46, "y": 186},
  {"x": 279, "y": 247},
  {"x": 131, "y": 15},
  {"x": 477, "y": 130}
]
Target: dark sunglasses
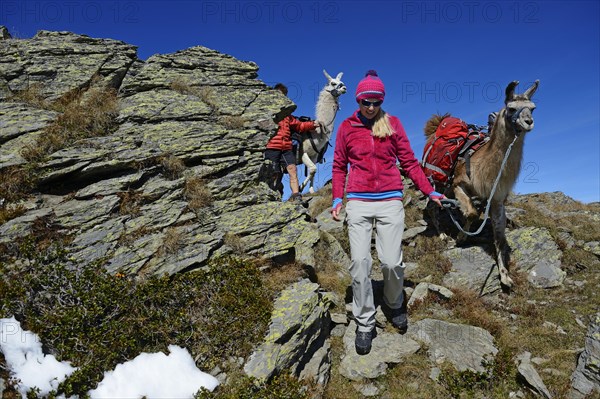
[{"x": 369, "y": 103}]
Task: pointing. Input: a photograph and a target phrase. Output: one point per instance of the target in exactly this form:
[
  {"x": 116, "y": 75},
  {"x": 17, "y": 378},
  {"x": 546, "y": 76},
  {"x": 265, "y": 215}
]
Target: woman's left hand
[{"x": 436, "y": 197}]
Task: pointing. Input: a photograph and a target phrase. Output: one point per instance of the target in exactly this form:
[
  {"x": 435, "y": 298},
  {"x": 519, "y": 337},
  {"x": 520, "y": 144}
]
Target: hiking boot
[
  {"x": 296, "y": 197},
  {"x": 398, "y": 317},
  {"x": 363, "y": 342}
]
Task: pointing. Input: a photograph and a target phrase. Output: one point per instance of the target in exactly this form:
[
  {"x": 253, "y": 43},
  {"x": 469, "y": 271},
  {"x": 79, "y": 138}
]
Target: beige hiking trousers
[{"x": 388, "y": 219}]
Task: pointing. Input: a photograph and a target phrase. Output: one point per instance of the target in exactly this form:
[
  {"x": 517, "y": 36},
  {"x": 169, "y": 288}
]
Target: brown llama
[{"x": 508, "y": 132}]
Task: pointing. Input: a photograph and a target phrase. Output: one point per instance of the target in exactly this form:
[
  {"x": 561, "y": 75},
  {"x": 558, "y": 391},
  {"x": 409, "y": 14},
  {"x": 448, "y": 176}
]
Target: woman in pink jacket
[{"x": 372, "y": 142}]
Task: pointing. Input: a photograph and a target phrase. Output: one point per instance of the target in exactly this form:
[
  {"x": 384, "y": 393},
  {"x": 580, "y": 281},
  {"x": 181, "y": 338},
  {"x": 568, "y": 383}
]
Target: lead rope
[{"x": 487, "y": 207}]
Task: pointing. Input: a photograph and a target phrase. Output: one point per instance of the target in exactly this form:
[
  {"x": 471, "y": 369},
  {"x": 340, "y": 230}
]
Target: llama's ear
[
  {"x": 529, "y": 92},
  {"x": 510, "y": 91},
  {"x": 339, "y": 76},
  {"x": 327, "y": 76}
]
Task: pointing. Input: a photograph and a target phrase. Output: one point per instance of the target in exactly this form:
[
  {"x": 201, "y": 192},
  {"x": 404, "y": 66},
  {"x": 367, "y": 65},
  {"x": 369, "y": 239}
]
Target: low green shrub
[
  {"x": 281, "y": 387},
  {"x": 96, "y": 320}
]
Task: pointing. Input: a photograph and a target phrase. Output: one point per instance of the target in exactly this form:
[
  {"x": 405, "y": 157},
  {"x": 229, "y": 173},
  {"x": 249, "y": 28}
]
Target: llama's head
[
  {"x": 335, "y": 86},
  {"x": 519, "y": 107}
]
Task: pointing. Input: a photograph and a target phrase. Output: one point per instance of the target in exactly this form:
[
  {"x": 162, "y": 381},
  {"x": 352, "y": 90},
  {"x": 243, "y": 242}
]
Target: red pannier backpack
[
  {"x": 441, "y": 153},
  {"x": 453, "y": 140}
]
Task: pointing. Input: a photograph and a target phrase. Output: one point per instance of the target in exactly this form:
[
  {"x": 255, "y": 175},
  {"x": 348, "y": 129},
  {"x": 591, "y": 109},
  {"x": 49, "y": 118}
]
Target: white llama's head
[{"x": 335, "y": 86}]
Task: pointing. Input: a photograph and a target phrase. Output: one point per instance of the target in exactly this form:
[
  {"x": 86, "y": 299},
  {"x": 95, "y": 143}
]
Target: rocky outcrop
[
  {"x": 205, "y": 109},
  {"x": 586, "y": 379},
  {"x": 57, "y": 63}
]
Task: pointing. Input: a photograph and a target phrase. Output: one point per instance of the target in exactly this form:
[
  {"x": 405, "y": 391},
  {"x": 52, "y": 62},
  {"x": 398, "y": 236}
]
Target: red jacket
[
  {"x": 283, "y": 139},
  {"x": 373, "y": 160}
]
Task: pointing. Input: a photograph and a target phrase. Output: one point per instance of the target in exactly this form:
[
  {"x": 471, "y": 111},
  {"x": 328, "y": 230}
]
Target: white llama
[{"x": 315, "y": 143}]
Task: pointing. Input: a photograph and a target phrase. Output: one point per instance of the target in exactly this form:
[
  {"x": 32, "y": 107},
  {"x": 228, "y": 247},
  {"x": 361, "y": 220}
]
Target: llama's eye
[{"x": 512, "y": 110}]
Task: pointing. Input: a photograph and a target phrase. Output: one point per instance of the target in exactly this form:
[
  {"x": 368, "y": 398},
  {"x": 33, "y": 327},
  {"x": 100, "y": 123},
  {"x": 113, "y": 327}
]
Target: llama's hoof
[
  {"x": 505, "y": 280},
  {"x": 311, "y": 190}
]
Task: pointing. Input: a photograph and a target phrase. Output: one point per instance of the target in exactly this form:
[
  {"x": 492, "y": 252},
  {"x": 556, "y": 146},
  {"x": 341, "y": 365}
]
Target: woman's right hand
[{"x": 335, "y": 212}]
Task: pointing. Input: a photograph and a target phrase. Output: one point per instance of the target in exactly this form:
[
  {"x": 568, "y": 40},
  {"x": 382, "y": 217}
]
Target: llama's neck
[
  {"x": 502, "y": 135},
  {"x": 327, "y": 107}
]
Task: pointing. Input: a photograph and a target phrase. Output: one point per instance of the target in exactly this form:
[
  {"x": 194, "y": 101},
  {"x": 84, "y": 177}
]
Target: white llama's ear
[
  {"x": 529, "y": 92},
  {"x": 339, "y": 76},
  {"x": 327, "y": 75},
  {"x": 510, "y": 91}
]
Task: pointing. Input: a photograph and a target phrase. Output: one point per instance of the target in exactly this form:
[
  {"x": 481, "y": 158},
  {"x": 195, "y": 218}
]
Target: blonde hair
[{"x": 381, "y": 125}]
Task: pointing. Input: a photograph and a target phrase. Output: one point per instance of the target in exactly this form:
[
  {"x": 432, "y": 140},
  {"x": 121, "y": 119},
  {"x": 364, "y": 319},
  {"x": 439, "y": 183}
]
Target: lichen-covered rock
[
  {"x": 463, "y": 346},
  {"x": 206, "y": 109},
  {"x": 61, "y": 62},
  {"x": 299, "y": 328},
  {"x": 593, "y": 247},
  {"x": 586, "y": 378},
  {"x": 534, "y": 251}
]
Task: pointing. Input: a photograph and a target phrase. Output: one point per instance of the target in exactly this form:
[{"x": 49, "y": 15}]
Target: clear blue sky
[{"x": 433, "y": 56}]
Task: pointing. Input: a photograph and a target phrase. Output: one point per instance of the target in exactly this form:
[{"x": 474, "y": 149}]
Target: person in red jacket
[
  {"x": 372, "y": 142},
  {"x": 279, "y": 150}
]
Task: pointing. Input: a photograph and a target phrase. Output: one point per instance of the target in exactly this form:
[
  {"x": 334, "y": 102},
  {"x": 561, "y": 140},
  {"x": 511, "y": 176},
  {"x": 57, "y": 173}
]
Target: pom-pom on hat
[{"x": 370, "y": 87}]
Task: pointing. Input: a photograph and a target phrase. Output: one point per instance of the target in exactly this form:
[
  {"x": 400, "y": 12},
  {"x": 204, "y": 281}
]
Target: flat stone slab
[
  {"x": 387, "y": 348},
  {"x": 472, "y": 268},
  {"x": 463, "y": 346}
]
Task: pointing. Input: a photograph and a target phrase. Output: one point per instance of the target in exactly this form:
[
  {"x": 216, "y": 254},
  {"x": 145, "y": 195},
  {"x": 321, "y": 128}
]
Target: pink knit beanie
[{"x": 370, "y": 87}]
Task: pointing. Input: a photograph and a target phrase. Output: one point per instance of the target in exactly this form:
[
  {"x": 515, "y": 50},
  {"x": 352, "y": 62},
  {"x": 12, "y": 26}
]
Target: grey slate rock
[
  {"x": 298, "y": 330},
  {"x": 472, "y": 268},
  {"x": 585, "y": 380},
  {"x": 387, "y": 348},
  {"x": 534, "y": 251},
  {"x": 531, "y": 377},
  {"x": 463, "y": 346}
]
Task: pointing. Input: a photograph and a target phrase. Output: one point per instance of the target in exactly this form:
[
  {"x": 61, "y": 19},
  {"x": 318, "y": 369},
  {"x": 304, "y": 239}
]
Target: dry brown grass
[
  {"x": 89, "y": 114},
  {"x": 280, "y": 276},
  {"x": 173, "y": 167},
  {"x": 331, "y": 275},
  {"x": 8, "y": 212},
  {"x": 427, "y": 252},
  {"x": 232, "y": 122},
  {"x": 235, "y": 242},
  {"x": 32, "y": 95},
  {"x": 197, "y": 193},
  {"x": 127, "y": 238},
  {"x": 208, "y": 95},
  {"x": 320, "y": 201},
  {"x": 471, "y": 309},
  {"x": 181, "y": 86},
  {"x": 172, "y": 241},
  {"x": 16, "y": 183},
  {"x": 571, "y": 216},
  {"x": 131, "y": 202}
]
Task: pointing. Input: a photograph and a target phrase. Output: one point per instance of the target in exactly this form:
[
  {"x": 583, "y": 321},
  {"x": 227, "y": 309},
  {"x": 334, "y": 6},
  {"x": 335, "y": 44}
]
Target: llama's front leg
[
  {"x": 468, "y": 210},
  {"x": 498, "y": 217},
  {"x": 434, "y": 213},
  {"x": 312, "y": 169}
]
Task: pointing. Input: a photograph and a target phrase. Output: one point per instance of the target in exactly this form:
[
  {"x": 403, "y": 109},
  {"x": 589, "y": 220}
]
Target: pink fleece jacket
[{"x": 372, "y": 160}]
